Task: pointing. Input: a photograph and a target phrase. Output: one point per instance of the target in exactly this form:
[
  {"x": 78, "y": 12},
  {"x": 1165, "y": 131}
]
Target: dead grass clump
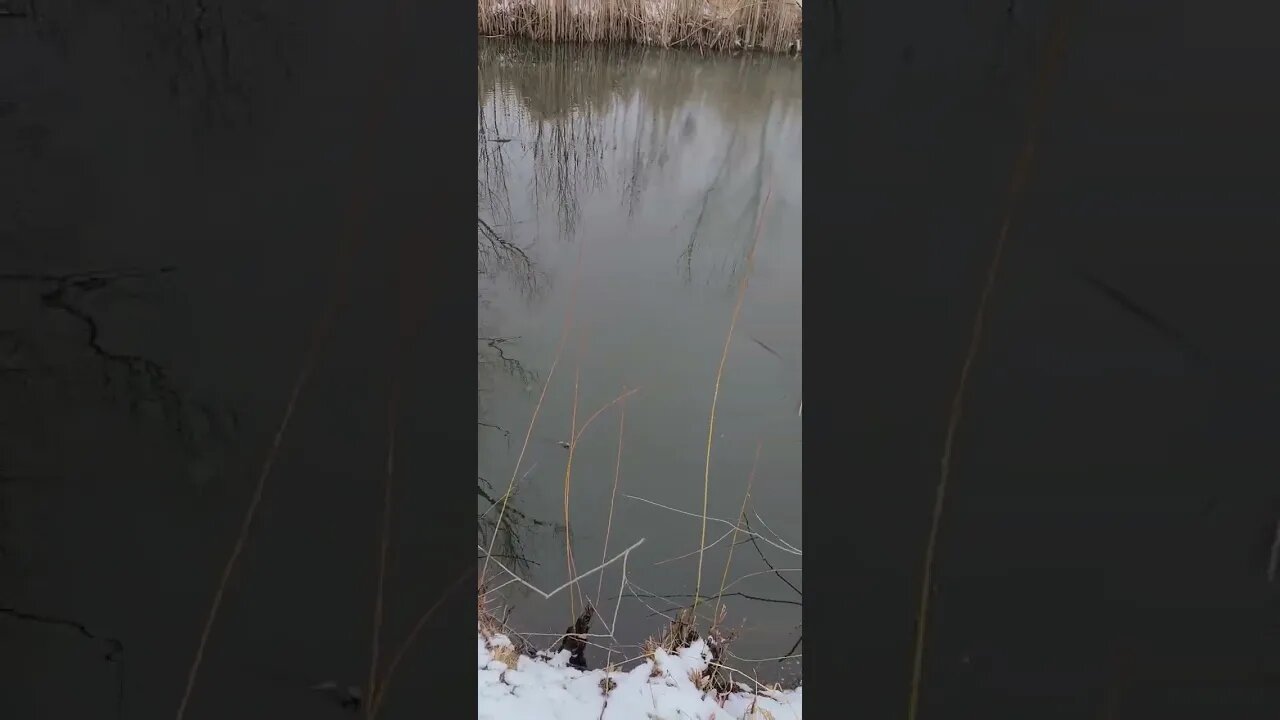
[
  {"x": 506, "y": 653},
  {"x": 718, "y": 676},
  {"x": 718, "y": 25},
  {"x": 503, "y": 646},
  {"x": 487, "y": 623},
  {"x": 682, "y": 633}
]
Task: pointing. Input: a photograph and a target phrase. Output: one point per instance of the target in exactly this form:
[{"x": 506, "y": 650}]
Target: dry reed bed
[{"x": 715, "y": 25}]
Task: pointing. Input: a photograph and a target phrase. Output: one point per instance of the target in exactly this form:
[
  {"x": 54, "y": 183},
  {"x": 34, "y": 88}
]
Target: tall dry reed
[{"x": 717, "y": 25}]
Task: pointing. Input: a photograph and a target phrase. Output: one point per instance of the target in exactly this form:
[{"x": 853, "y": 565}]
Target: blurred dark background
[
  {"x": 186, "y": 189},
  {"x": 1105, "y": 547}
]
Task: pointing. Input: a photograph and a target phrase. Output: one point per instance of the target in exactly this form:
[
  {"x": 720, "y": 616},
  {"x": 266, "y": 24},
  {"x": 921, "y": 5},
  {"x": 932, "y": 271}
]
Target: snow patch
[{"x": 662, "y": 688}]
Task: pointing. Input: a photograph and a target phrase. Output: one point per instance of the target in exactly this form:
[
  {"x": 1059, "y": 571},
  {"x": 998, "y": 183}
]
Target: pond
[{"x": 626, "y": 199}]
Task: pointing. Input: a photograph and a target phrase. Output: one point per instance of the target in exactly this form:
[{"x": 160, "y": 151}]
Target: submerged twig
[
  {"x": 798, "y": 641},
  {"x": 742, "y": 515},
  {"x": 114, "y": 654},
  {"x": 763, "y": 557},
  {"x": 745, "y": 596},
  {"x": 569, "y": 583},
  {"x": 791, "y": 550},
  {"x": 782, "y": 540},
  {"x": 1275, "y": 555},
  {"x": 1171, "y": 334}
]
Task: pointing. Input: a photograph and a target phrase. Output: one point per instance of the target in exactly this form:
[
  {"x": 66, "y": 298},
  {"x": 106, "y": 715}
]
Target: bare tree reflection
[
  {"x": 500, "y": 258},
  {"x": 55, "y": 347},
  {"x": 511, "y": 366},
  {"x": 722, "y": 170},
  {"x": 512, "y": 542},
  {"x": 611, "y": 121},
  {"x": 136, "y": 382},
  {"x": 493, "y": 194},
  {"x": 214, "y": 58}
]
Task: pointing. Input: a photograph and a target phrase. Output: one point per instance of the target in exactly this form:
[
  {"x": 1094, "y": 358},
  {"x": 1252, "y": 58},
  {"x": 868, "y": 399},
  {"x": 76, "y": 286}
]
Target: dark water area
[
  {"x": 631, "y": 182},
  {"x": 186, "y": 188},
  {"x": 1112, "y": 502}
]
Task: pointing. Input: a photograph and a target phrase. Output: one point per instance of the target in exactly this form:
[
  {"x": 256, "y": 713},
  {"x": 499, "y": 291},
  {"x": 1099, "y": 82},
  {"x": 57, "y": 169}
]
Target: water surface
[{"x": 620, "y": 193}]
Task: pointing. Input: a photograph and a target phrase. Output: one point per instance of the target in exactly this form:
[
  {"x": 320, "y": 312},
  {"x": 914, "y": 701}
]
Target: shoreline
[{"x": 667, "y": 684}]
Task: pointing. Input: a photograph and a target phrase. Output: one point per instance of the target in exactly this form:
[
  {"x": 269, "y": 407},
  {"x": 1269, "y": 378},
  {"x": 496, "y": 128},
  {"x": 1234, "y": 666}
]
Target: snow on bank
[{"x": 659, "y": 689}]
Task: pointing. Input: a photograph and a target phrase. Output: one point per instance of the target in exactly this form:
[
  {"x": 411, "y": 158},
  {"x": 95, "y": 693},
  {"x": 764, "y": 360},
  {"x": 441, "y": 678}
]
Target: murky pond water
[{"x": 620, "y": 193}]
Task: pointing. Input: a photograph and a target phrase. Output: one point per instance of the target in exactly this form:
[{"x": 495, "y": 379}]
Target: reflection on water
[
  {"x": 619, "y": 192},
  {"x": 53, "y": 339}
]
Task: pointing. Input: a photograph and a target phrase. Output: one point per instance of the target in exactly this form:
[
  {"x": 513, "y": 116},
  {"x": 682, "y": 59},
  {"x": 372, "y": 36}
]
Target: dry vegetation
[{"x": 718, "y": 25}]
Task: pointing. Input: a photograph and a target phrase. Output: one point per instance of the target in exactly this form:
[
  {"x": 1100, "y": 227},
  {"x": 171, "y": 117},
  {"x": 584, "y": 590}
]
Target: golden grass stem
[
  {"x": 606, "y": 406},
  {"x": 384, "y": 541},
  {"x": 568, "y": 475},
  {"x": 613, "y": 496},
  {"x": 242, "y": 538},
  {"x": 375, "y": 701},
  {"x": 715, "y": 396},
  {"x": 742, "y": 514},
  {"x": 1021, "y": 169}
]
